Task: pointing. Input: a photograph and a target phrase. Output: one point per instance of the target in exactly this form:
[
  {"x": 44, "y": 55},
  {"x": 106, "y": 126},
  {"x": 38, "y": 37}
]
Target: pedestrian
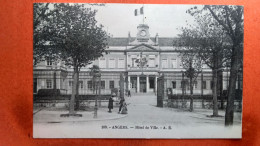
[
  {"x": 120, "y": 105},
  {"x": 110, "y": 104},
  {"x": 124, "y": 108},
  {"x": 129, "y": 93}
]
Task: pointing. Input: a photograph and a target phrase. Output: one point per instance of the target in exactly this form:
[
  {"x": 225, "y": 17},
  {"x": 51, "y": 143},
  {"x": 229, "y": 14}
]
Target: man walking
[{"x": 129, "y": 93}]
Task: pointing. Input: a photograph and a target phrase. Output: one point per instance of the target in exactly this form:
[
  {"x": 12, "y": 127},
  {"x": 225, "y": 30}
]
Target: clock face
[{"x": 143, "y": 33}]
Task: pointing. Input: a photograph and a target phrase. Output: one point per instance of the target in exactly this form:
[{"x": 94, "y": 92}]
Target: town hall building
[{"x": 141, "y": 60}]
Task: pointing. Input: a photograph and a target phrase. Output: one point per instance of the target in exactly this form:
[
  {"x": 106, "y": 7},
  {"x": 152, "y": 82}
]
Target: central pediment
[{"x": 142, "y": 47}]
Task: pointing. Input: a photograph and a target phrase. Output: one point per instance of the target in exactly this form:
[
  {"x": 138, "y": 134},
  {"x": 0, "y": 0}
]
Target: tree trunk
[
  {"x": 77, "y": 94},
  {"x": 232, "y": 86},
  {"x": 121, "y": 86},
  {"x": 214, "y": 92},
  {"x": 54, "y": 85},
  {"x": 220, "y": 88},
  {"x": 182, "y": 87},
  {"x": 191, "y": 94},
  {"x": 74, "y": 91},
  {"x": 201, "y": 90}
]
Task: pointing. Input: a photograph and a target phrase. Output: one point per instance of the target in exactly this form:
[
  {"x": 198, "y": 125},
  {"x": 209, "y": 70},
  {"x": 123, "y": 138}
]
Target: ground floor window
[
  {"x": 195, "y": 84},
  {"x": 70, "y": 83},
  {"x": 188, "y": 85},
  {"x": 204, "y": 83},
  {"x": 211, "y": 84},
  {"x": 34, "y": 85},
  {"x": 182, "y": 84},
  {"x": 174, "y": 84},
  {"x": 49, "y": 83},
  {"x": 90, "y": 85},
  {"x": 103, "y": 84},
  {"x": 111, "y": 84},
  {"x": 81, "y": 84}
]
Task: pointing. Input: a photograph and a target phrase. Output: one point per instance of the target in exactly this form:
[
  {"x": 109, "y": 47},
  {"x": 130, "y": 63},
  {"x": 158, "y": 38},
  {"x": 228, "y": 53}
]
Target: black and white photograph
[{"x": 146, "y": 71}]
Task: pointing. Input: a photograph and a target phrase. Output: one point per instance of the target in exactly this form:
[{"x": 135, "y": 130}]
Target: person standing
[
  {"x": 110, "y": 104},
  {"x": 124, "y": 108},
  {"x": 121, "y": 105},
  {"x": 129, "y": 93}
]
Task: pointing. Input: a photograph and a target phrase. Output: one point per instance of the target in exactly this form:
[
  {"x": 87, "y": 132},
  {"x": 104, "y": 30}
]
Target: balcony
[{"x": 145, "y": 68}]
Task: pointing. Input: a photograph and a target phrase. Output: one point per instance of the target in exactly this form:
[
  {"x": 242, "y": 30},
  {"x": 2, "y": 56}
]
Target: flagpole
[{"x": 143, "y": 14}]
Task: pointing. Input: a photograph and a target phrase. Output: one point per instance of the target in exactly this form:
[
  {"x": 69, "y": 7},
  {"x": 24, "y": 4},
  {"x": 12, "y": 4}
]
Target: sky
[{"x": 119, "y": 19}]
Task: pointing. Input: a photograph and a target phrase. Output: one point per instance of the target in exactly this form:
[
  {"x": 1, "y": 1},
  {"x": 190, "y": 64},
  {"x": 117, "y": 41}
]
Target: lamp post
[{"x": 97, "y": 81}]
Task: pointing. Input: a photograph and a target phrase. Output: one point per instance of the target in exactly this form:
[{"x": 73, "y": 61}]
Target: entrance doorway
[
  {"x": 143, "y": 84},
  {"x": 152, "y": 83},
  {"x": 133, "y": 84}
]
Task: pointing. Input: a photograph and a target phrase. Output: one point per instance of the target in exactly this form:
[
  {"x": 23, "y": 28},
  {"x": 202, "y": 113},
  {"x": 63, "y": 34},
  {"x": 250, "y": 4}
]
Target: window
[
  {"x": 90, "y": 85},
  {"x": 174, "y": 84},
  {"x": 188, "y": 85},
  {"x": 211, "y": 84},
  {"x": 164, "y": 63},
  {"x": 49, "y": 61},
  {"x": 70, "y": 83},
  {"x": 134, "y": 64},
  {"x": 112, "y": 63},
  {"x": 195, "y": 84},
  {"x": 34, "y": 85},
  {"x": 102, "y": 62},
  {"x": 111, "y": 84},
  {"x": 81, "y": 84},
  {"x": 121, "y": 63},
  {"x": 204, "y": 85},
  {"x": 173, "y": 63},
  {"x": 102, "y": 84},
  {"x": 182, "y": 84},
  {"x": 152, "y": 62},
  {"x": 49, "y": 83}
]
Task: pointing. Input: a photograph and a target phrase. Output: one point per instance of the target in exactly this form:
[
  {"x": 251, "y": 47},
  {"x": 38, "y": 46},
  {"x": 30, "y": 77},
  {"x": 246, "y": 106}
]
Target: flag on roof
[{"x": 139, "y": 11}]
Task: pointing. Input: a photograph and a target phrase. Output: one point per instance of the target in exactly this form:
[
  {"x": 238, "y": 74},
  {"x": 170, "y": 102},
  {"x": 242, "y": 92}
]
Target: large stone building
[{"x": 158, "y": 54}]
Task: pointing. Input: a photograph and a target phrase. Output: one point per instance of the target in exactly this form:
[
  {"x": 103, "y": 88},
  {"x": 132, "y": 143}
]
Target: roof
[{"x": 123, "y": 41}]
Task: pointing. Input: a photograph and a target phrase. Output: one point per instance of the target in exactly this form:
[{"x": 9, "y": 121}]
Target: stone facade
[{"x": 158, "y": 54}]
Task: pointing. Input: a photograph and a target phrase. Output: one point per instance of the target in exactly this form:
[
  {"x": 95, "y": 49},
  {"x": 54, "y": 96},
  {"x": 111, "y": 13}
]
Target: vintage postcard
[{"x": 137, "y": 71}]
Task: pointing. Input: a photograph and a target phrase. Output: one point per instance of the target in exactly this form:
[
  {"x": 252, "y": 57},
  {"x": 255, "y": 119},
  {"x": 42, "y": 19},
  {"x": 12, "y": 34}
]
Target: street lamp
[{"x": 97, "y": 82}]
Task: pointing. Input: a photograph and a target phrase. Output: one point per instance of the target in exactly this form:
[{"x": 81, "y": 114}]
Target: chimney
[
  {"x": 157, "y": 39},
  {"x": 129, "y": 38}
]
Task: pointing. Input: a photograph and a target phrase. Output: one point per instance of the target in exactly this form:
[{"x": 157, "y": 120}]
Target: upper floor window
[
  {"x": 102, "y": 62},
  {"x": 151, "y": 62},
  {"x": 112, "y": 63},
  {"x": 121, "y": 63},
  {"x": 49, "y": 83},
  {"x": 164, "y": 63},
  {"x": 134, "y": 63},
  {"x": 173, "y": 63},
  {"x": 49, "y": 61}
]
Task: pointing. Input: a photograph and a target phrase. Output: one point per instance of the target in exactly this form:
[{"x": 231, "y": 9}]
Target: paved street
[{"x": 143, "y": 113}]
